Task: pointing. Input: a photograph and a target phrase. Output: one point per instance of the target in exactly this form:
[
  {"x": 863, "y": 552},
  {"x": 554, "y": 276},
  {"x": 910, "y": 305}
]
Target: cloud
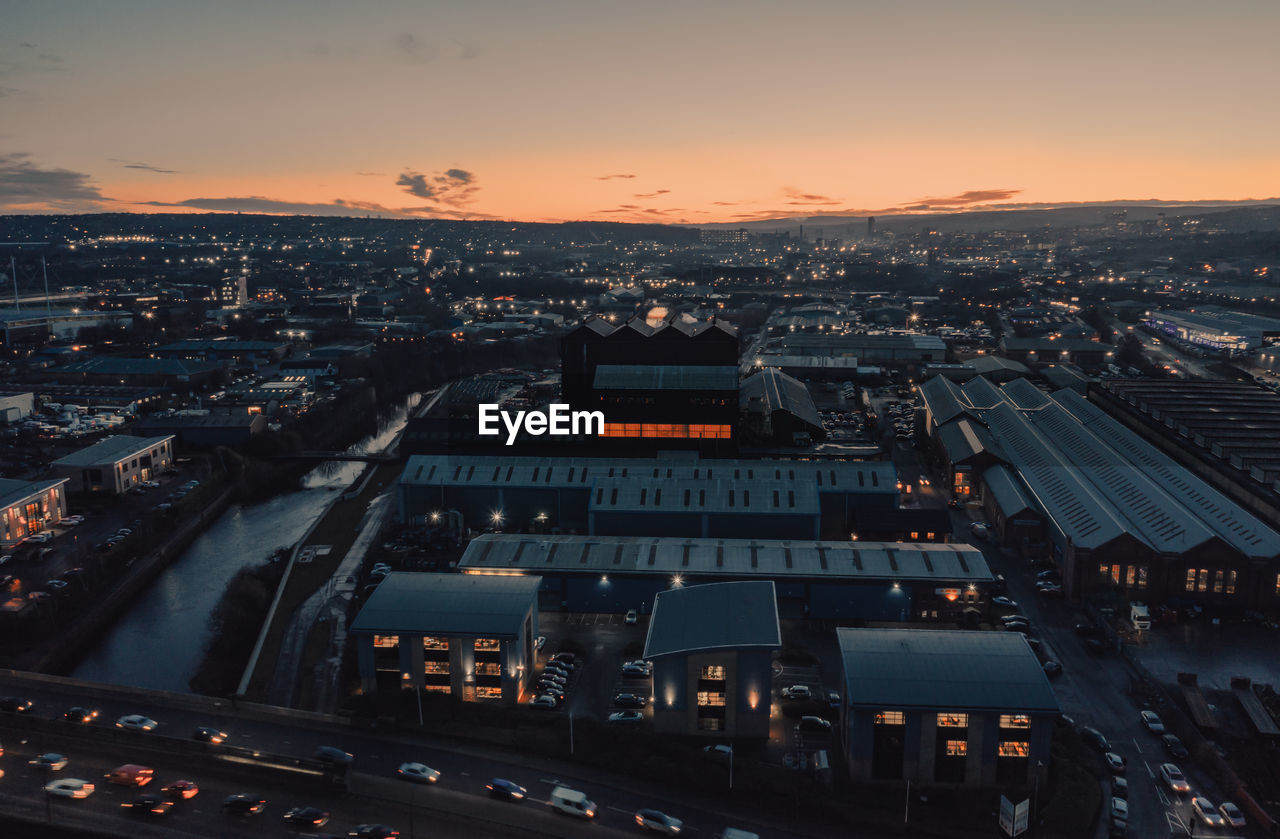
[
  {"x": 466, "y": 51},
  {"x": 613, "y": 177},
  {"x": 654, "y": 194},
  {"x": 336, "y": 207},
  {"x": 451, "y": 188},
  {"x": 146, "y": 167},
  {"x": 26, "y": 186},
  {"x": 409, "y": 46},
  {"x": 799, "y": 197},
  {"x": 372, "y": 174},
  {"x": 964, "y": 199}
]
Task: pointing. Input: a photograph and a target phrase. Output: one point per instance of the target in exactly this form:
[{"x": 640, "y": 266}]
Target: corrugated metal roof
[
  {"x": 448, "y": 604},
  {"x": 943, "y": 399},
  {"x": 111, "y": 450},
  {"x": 964, "y": 439},
  {"x": 714, "y": 616},
  {"x": 721, "y": 495},
  {"x": 1022, "y": 394},
  {"x": 878, "y": 477},
  {"x": 666, "y": 377},
  {"x": 981, "y": 393},
  {"x": 781, "y": 392},
  {"x": 953, "y": 670},
  {"x": 1007, "y": 492},
  {"x": 1228, "y": 520},
  {"x": 893, "y": 561},
  {"x": 14, "y": 492}
]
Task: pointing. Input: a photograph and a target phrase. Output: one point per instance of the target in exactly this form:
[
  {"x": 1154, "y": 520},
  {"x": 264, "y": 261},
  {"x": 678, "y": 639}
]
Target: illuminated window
[
  {"x": 1203, "y": 583},
  {"x": 1231, "y": 582},
  {"x": 488, "y": 693},
  {"x": 713, "y": 671},
  {"x": 1015, "y": 721},
  {"x": 710, "y": 724},
  {"x": 709, "y": 698},
  {"x": 487, "y": 644},
  {"x": 953, "y": 720},
  {"x": 1217, "y": 581},
  {"x": 1142, "y": 576},
  {"x": 889, "y": 718},
  {"x": 1277, "y": 585},
  {"x": 386, "y": 642},
  {"x": 915, "y": 536},
  {"x": 957, "y": 748},
  {"x": 1191, "y": 579},
  {"x": 437, "y": 688},
  {"x": 488, "y": 668},
  {"x": 1130, "y": 573},
  {"x": 437, "y": 667},
  {"x": 1115, "y": 574},
  {"x": 429, "y": 643},
  {"x": 1014, "y": 748}
]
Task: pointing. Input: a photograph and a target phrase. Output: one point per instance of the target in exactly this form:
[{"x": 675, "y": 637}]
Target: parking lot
[{"x": 601, "y": 643}]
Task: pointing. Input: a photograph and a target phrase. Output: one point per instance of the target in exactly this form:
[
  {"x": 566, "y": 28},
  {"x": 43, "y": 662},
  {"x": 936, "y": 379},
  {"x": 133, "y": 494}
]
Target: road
[
  {"x": 1094, "y": 691},
  {"x": 458, "y": 800},
  {"x": 1164, "y": 353}
]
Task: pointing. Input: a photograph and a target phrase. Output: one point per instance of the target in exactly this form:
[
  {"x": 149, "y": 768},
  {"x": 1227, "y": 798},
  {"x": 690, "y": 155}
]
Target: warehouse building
[
  {"x": 874, "y": 348},
  {"x": 1036, "y": 351},
  {"x": 944, "y": 708},
  {"x": 838, "y": 581},
  {"x": 712, "y": 652},
  {"x": 204, "y": 430},
  {"x": 1118, "y": 513},
  {"x": 469, "y": 636},
  {"x": 16, "y": 406},
  {"x": 1226, "y": 432},
  {"x": 28, "y": 507},
  {"x": 115, "y": 464},
  {"x": 637, "y": 496},
  {"x": 1218, "y": 330},
  {"x": 778, "y": 409}
]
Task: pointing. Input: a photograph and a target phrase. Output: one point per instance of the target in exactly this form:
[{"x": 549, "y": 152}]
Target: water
[{"x": 159, "y": 641}]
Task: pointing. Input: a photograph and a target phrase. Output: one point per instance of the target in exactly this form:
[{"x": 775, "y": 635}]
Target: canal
[{"x": 159, "y": 641}]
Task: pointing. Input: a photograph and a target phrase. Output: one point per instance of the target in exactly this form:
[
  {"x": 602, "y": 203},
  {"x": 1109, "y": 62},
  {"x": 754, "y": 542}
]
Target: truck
[{"x": 1139, "y": 616}]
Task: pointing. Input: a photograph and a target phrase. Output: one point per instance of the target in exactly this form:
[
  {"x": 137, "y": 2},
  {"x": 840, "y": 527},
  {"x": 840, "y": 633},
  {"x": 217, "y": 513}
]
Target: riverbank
[{"x": 60, "y": 652}]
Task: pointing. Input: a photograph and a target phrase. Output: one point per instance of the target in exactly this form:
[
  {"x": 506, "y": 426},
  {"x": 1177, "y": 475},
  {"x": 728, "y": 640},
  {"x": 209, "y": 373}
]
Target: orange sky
[{"x": 664, "y": 111}]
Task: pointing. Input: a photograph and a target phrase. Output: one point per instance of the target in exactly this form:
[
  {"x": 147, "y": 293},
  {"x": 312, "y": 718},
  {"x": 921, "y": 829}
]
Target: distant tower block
[{"x": 871, "y": 227}]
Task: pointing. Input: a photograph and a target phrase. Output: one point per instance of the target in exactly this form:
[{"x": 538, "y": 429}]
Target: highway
[{"x": 457, "y": 806}]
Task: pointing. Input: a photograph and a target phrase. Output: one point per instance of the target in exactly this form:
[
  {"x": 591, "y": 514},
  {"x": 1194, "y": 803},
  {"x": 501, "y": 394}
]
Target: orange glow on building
[{"x": 666, "y": 430}]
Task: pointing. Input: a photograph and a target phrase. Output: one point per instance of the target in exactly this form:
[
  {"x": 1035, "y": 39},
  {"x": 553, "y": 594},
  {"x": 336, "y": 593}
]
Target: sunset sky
[{"x": 648, "y": 110}]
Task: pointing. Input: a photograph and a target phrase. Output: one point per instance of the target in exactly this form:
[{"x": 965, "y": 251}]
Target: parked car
[
  {"x": 1119, "y": 786},
  {"x": 418, "y": 772},
  {"x": 629, "y": 700},
  {"x": 1008, "y": 619},
  {"x": 1115, "y": 762},
  {"x": 626, "y": 717},
  {"x": 1119, "y": 808},
  {"x": 796, "y": 692},
  {"x": 719, "y": 750},
  {"x": 1052, "y": 669},
  {"x": 502, "y": 788},
  {"x": 1153, "y": 722},
  {"x": 634, "y": 671},
  {"x": 814, "y": 724},
  {"x": 544, "y": 702},
  {"x": 1095, "y": 738},
  {"x": 632, "y": 617},
  {"x": 1004, "y": 602},
  {"x": 565, "y": 659}
]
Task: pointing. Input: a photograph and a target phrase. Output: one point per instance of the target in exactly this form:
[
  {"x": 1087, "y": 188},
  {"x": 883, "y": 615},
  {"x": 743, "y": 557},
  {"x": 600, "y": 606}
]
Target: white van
[
  {"x": 573, "y": 803},
  {"x": 1140, "y": 616}
]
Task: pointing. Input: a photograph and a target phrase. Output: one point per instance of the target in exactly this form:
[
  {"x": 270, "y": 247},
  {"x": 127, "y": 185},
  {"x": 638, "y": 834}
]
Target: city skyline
[{"x": 581, "y": 111}]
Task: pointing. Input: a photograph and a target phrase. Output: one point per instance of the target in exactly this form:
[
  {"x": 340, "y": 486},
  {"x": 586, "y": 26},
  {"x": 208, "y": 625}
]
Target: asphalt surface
[
  {"x": 1094, "y": 691},
  {"x": 457, "y": 806}
]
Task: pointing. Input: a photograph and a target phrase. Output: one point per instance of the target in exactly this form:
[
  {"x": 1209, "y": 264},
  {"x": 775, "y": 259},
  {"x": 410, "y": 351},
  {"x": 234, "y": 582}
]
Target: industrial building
[
  {"x": 1118, "y": 514},
  {"x": 778, "y": 409},
  {"x": 203, "y": 430},
  {"x": 469, "y": 636},
  {"x": 37, "y": 324},
  {"x": 674, "y": 496},
  {"x": 1218, "y": 330},
  {"x": 16, "y": 406},
  {"x": 673, "y": 379},
  {"x": 838, "y": 581},
  {"x": 1038, "y": 350},
  {"x": 1226, "y": 432},
  {"x": 174, "y": 373},
  {"x": 869, "y": 348},
  {"x": 28, "y": 507},
  {"x": 245, "y": 352},
  {"x": 712, "y": 652},
  {"x": 115, "y": 464},
  {"x": 947, "y": 708}
]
